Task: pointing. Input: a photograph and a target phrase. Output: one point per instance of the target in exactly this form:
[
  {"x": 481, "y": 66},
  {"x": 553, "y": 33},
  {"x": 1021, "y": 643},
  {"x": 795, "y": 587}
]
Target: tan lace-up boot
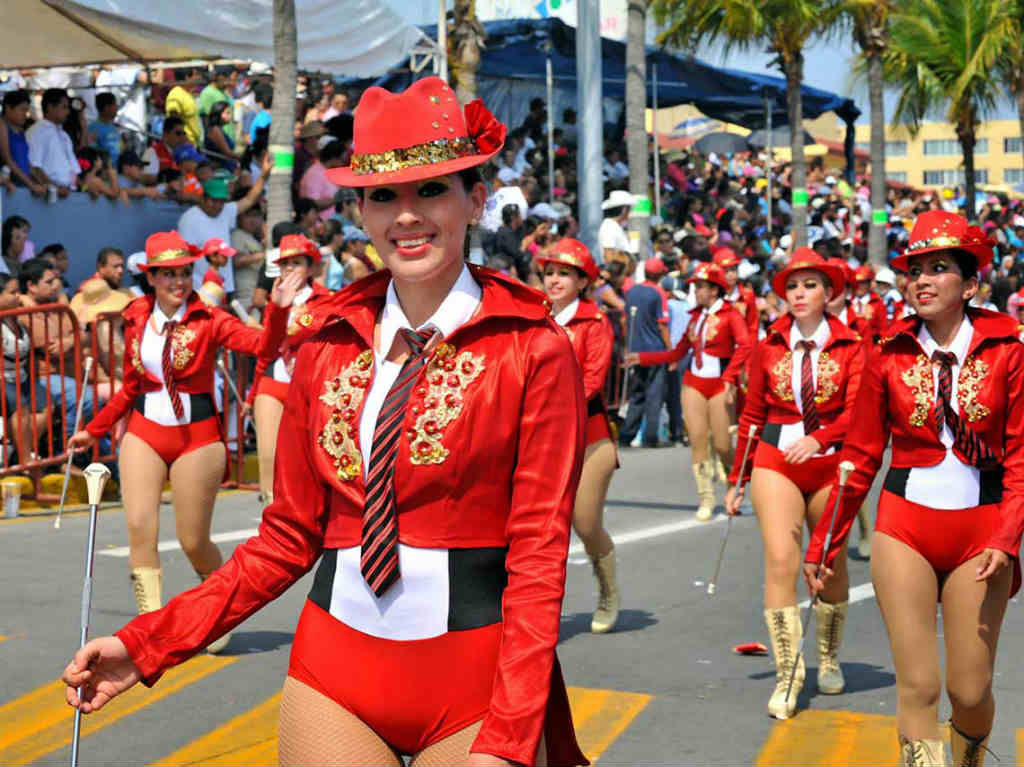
[
  {"x": 703, "y": 475},
  {"x": 922, "y": 753},
  {"x": 831, "y": 620},
  {"x": 607, "y": 611},
  {"x": 146, "y": 585},
  {"x": 967, "y": 751},
  {"x": 217, "y": 645},
  {"x": 785, "y": 631}
]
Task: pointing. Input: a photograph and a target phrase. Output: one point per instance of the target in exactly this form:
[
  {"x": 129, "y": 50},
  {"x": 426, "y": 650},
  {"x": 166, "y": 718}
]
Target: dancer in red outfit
[
  {"x": 172, "y": 339},
  {"x": 718, "y": 337},
  {"x": 429, "y": 456},
  {"x": 947, "y": 386},
  {"x": 568, "y": 271},
  {"x": 804, "y": 378},
  {"x": 740, "y": 296},
  {"x": 866, "y": 303},
  {"x": 269, "y": 391}
]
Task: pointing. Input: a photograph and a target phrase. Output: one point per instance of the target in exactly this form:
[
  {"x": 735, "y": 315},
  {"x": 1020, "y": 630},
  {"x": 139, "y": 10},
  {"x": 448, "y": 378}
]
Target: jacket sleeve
[
  {"x": 288, "y": 543},
  {"x": 598, "y": 359},
  {"x": 1012, "y": 506},
  {"x": 864, "y": 446},
  {"x": 647, "y": 359},
  {"x": 231, "y": 333},
  {"x": 741, "y": 352},
  {"x": 832, "y": 435},
  {"x": 548, "y": 462},
  {"x": 124, "y": 398},
  {"x": 754, "y": 413}
]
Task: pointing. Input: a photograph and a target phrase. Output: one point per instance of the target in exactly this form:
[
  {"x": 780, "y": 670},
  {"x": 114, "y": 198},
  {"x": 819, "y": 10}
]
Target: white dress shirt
[
  {"x": 792, "y": 432},
  {"x": 710, "y": 366},
  {"x": 563, "y": 317},
  {"x": 157, "y": 404},
  {"x": 280, "y": 370},
  {"x": 50, "y": 149}
]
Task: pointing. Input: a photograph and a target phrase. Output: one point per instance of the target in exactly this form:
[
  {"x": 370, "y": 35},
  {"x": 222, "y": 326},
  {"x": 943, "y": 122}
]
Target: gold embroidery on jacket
[
  {"x": 919, "y": 379},
  {"x": 711, "y": 328},
  {"x": 782, "y": 373},
  {"x": 181, "y": 355},
  {"x": 137, "y": 357},
  {"x": 439, "y": 401},
  {"x": 344, "y": 393},
  {"x": 828, "y": 369},
  {"x": 968, "y": 384}
]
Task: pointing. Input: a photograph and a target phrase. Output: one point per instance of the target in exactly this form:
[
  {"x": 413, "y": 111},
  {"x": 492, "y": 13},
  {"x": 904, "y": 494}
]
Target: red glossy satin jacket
[
  {"x": 203, "y": 331},
  {"x": 592, "y": 339},
  {"x": 897, "y": 399},
  {"x": 873, "y": 314},
  {"x": 490, "y": 456},
  {"x": 726, "y": 335},
  {"x": 849, "y": 317},
  {"x": 746, "y": 305},
  {"x": 770, "y": 396}
]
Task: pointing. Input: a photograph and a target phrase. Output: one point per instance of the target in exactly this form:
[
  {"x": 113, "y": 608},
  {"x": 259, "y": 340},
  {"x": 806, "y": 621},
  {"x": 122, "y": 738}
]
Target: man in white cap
[
  {"x": 611, "y": 237},
  {"x": 885, "y": 285}
]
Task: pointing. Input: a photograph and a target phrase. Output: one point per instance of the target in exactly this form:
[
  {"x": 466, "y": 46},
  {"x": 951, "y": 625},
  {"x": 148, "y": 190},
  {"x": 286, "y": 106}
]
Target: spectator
[
  {"x": 216, "y": 93},
  {"x": 506, "y": 251},
  {"x": 107, "y": 136},
  {"x": 308, "y": 149},
  {"x": 611, "y": 237},
  {"x": 58, "y": 255},
  {"x": 16, "y": 245},
  {"x": 109, "y": 267},
  {"x": 130, "y": 170},
  {"x": 614, "y": 168},
  {"x": 264, "y": 97},
  {"x": 332, "y": 273},
  {"x": 246, "y": 238},
  {"x": 97, "y": 177},
  {"x": 94, "y": 299},
  {"x": 346, "y": 207},
  {"x": 339, "y": 105},
  {"x": 51, "y": 152},
  {"x": 13, "y": 142},
  {"x": 159, "y": 158},
  {"x": 218, "y": 140},
  {"x": 308, "y": 218},
  {"x": 181, "y": 102},
  {"x": 187, "y": 158},
  {"x": 570, "y": 133},
  {"x": 314, "y": 184}
]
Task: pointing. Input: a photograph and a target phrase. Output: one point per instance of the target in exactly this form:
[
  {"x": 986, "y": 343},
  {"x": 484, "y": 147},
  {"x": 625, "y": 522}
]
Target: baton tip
[{"x": 711, "y": 589}]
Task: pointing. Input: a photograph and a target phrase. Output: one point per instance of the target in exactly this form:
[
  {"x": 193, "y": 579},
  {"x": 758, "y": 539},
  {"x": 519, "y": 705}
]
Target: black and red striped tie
[
  {"x": 379, "y": 559},
  {"x": 965, "y": 439},
  {"x": 810, "y": 407},
  {"x": 167, "y": 362}
]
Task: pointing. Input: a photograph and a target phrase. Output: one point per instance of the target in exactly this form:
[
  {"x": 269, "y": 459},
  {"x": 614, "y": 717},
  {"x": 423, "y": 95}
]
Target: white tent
[{"x": 358, "y": 38}]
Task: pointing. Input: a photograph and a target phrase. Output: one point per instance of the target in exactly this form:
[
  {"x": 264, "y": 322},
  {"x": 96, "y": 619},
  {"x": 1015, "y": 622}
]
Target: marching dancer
[
  {"x": 720, "y": 342},
  {"x": 804, "y": 378},
  {"x": 739, "y": 295},
  {"x": 568, "y": 270},
  {"x": 866, "y": 302},
  {"x": 947, "y": 386},
  {"x": 428, "y": 455}
]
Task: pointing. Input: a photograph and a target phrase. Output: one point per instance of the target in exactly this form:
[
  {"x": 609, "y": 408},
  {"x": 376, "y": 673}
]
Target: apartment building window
[
  {"x": 1011, "y": 145},
  {"x": 897, "y": 176},
  {"x": 1013, "y": 175},
  {"x": 896, "y": 149},
  {"x": 952, "y": 177},
  {"x": 950, "y": 146}
]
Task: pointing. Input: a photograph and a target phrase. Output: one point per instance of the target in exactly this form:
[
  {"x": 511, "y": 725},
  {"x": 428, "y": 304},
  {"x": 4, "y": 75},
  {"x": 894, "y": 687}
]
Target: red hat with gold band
[
  {"x": 293, "y": 245},
  {"x": 570, "y": 252},
  {"x": 166, "y": 250},
  {"x": 805, "y": 258},
  {"x": 840, "y": 263},
  {"x": 419, "y": 133},
  {"x": 710, "y": 273},
  {"x": 725, "y": 257},
  {"x": 936, "y": 230},
  {"x": 217, "y": 245},
  {"x": 863, "y": 274}
]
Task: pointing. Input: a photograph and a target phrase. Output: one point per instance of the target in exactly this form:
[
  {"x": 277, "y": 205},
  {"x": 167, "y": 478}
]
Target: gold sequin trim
[
  {"x": 934, "y": 242},
  {"x": 919, "y": 379},
  {"x": 782, "y": 372},
  {"x": 180, "y": 353},
  {"x": 137, "y": 357},
  {"x": 967, "y": 387},
  {"x": 828, "y": 369},
  {"x": 344, "y": 394},
  {"x": 438, "y": 402},
  {"x": 711, "y": 328},
  {"x": 439, "y": 150}
]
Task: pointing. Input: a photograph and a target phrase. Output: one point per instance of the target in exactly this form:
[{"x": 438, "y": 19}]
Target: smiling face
[
  {"x": 419, "y": 227},
  {"x": 563, "y": 284},
  {"x": 807, "y": 293},
  {"x": 706, "y": 292},
  {"x": 936, "y": 286},
  {"x": 172, "y": 286}
]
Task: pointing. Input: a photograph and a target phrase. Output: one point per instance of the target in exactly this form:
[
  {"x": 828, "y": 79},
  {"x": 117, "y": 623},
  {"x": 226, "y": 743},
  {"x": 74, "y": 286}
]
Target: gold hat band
[
  {"x": 938, "y": 242},
  {"x": 168, "y": 255},
  {"x": 430, "y": 153}
]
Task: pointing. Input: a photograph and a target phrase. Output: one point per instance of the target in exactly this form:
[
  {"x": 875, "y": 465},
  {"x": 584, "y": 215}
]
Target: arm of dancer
[
  {"x": 742, "y": 347},
  {"x": 598, "y": 350},
  {"x": 832, "y": 435},
  {"x": 231, "y": 333},
  {"x": 864, "y": 446},
  {"x": 754, "y": 413},
  {"x": 647, "y": 359},
  {"x": 288, "y": 543},
  {"x": 131, "y": 386},
  {"x": 1008, "y": 539},
  {"x": 548, "y": 464}
]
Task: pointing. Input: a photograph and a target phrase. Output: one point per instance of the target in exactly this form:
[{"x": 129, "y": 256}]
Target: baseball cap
[
  {"x": 216, "y": 189},
  {"x": 186, "y": 153},
  {"x": 354, "y": 234}
]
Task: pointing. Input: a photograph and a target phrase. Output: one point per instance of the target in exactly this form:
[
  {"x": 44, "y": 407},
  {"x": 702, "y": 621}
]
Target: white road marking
[
  {"x": 857, "y": 594},
  {"x": 230, "y": 535},
  {"x": 643, "y": 534}
]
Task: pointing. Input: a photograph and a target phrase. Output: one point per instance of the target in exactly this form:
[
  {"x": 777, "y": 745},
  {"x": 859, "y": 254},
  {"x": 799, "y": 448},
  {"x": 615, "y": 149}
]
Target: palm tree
[
  {"x": 636, "y": 105},
  {"x": 786, "y": 27},
  {"x": 1014, "y": 66},
  {"x": 282, "y": 122},
  {"x": 465, "y": 43},
  {"x": 948, "y": 54},
  {"x": 870, "y": 21}
]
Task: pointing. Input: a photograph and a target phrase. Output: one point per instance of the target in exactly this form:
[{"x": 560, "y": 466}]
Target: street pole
[
  {"x": 768, "y": 112},
  {"x": 590, "y": 122},
  {"x": 657, "y": 150},
  {"x": 442, "y": 39},
  {"x": 551, "y": 128}
]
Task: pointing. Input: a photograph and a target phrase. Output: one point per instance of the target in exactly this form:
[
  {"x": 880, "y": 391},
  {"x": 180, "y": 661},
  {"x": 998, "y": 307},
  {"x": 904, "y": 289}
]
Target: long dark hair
[{"x": 10, "y": 224}]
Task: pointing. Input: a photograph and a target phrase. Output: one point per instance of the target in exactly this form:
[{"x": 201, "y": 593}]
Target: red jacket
[
  {"x": 874, "y": 314},
  {"x": 746, "y": 305},
  {"x": 592, "y": 340},
  {"x": 204, "y": 330},
  {"x": 897, "y": 400},
  {"x": 490, "y": 455},
  {"x": 770, "y": 394},
  {"x": 858, "y": 324},
  {"x": 726, "y": 336}
]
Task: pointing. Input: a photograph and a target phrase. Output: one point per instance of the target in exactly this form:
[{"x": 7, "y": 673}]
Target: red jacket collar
[
  {"x": 142, "y": 307},
  {"x": 587, "y": 310},
  {"x": 987, "y": 326},
  {"x": 838, "y": 331}
]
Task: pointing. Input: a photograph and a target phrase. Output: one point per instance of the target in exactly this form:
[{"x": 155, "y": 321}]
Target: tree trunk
[
  {"x": 965, "y": 132},
  {"x": 876, "y": 232},
  {"x": 636, "y": 104},
  {"x": 282, "y": 123},
  {"x": 466, "y": 42},
  {"x": 794, "y": 71}
]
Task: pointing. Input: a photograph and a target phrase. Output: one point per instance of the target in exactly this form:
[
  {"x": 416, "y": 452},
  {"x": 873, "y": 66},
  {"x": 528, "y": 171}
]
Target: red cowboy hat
[
  {"x": 217, "y": 245},
  {"x": 805, "y": 258},
  {"x": 863, "y": 274},
  {"x": 840, "y": 263},
  {"x": 936, "y": 230},
  {"x": 570, "y": 252},
  {"x": 166, "y": 250},
  {"x": 710, "y": 273},
  {"x": 417, "y": 134},
  {"x": 293, "y": 245},
  {"x": 725, "y": 257}
]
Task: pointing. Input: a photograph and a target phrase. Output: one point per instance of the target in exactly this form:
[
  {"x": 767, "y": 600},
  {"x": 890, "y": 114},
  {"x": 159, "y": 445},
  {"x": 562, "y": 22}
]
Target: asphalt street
[{"x": 665, "y": 687}]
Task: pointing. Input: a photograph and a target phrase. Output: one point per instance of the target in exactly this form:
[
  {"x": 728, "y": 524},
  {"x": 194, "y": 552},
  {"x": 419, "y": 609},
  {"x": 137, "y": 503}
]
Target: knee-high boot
[
  {"x": 831, "y": 619},
  {"x": 967, "y": 751},
  {"x": 146, "y": 583},
  {"x": 785, "y": 631},
  {"x": 607, "y": 611},
  {"x": 703, "y": 475},
  {"x": 922, "y": 753}
]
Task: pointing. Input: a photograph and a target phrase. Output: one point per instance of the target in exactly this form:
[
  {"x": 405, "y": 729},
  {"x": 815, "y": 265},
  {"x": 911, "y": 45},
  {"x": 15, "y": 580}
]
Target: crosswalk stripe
[
  {"x": 39, "y": 722},
  {"x": 857, "y": 594},
  {"x": 643, "y": 533},
  {"x": 230, "y": 535},
  {"x": 250, "y": 740}
]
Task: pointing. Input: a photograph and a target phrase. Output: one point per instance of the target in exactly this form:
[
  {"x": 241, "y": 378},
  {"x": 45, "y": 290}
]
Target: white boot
[
  {"x": 703, "y": 475},
  {"x": 830, "y": 619},
  {"x": 785, "y": 631},
  {"x": 922, "y": 753},
  {"x": 607, "y": 611},
  {"x": 146, "y": 583}
]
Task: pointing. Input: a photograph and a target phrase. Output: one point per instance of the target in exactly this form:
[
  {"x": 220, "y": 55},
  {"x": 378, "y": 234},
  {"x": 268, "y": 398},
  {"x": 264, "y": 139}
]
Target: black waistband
[
  {"x": 771, "y": 433},
  {"x": 201, "y": 406},
  {"x": 991, "y": 484},
  {"x": 476, "y": 582},
  {"x": 595, "y": 405}
]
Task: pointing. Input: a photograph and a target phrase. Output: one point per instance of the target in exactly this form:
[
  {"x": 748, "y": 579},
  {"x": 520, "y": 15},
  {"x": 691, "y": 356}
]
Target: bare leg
[
  {"x": 780, "y": 509},
  {"x": 721, "y": 419},
  {"x": 907, "y": 591},
  {"x": 313, "y": 729},
  {"x": 698, "y": 423},
  {"x": 454, "y": 750},
  {"x": 837, "y": 588},
  {"x": 143, "y": 473},
  {"x": 195, "y": 478},
  {"x": 267, "y": 412},
  {"x": 588, "y": 513}
]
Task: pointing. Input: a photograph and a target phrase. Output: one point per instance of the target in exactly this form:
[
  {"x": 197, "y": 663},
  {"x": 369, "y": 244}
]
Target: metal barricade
[{"x": 240, "y": 368}]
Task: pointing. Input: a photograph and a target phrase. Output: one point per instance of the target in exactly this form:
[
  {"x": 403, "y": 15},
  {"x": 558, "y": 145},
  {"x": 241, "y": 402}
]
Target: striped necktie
[
  {"x": 379, "y": 559},
  {"x": 971, "y": 446},
  {"x": 167, "y": 363},
  {"x": 810, "y": 407}
]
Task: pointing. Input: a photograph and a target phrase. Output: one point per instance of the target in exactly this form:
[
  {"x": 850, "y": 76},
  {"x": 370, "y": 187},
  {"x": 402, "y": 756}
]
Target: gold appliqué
[
  {"x": 440, "y": 401},
  {"x": 181, "y": 355},
  {"x": 344, "y": 393},
  {"x": 429, "y": 153},
  {"x": 782, "y": 372},
  {"x": 711, "y": 328},
  {"x": 828, "y": 369},
  {"x": 919, "y": 379},
  {"x": 968, "y": 384},
  {"x": 137, "y": 357}
]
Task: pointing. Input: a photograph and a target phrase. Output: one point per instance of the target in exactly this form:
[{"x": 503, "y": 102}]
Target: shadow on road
[
  {"x": 629, "y": 620},
  {"x": 860, "y": 677},
  {"x": 249, "y": 642},
  {"x": 650, "y": 505}
]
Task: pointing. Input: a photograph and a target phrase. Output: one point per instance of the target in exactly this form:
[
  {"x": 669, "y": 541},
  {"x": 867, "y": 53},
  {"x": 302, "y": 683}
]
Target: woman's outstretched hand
[{"x": 103, "y": 669}]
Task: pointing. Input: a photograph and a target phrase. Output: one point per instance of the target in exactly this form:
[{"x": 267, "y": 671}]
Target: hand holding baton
[
  {"x": 78, "y": 425},
  {"x": 713, "y": 583},
  {"x": 624, "y": 401},
  {"x": 845, "y": 470}
]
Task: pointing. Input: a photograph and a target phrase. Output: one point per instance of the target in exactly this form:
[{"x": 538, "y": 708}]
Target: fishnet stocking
[{"x": 454, "y": 750}]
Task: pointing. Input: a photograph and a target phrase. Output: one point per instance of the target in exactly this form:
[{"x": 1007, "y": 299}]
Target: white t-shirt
[
  {"x": 196, "y": 227},
  {"x": 612, "y": 235},
  {"x": 50, "y": 148}
]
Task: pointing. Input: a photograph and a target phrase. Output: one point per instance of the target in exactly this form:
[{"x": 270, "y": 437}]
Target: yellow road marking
[
  {"x": 39, "y": 722},
  {"x": 3, "y": 638},
  {"x": 250, "y": 740},
  {"x": 1020, "y": 747}
]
